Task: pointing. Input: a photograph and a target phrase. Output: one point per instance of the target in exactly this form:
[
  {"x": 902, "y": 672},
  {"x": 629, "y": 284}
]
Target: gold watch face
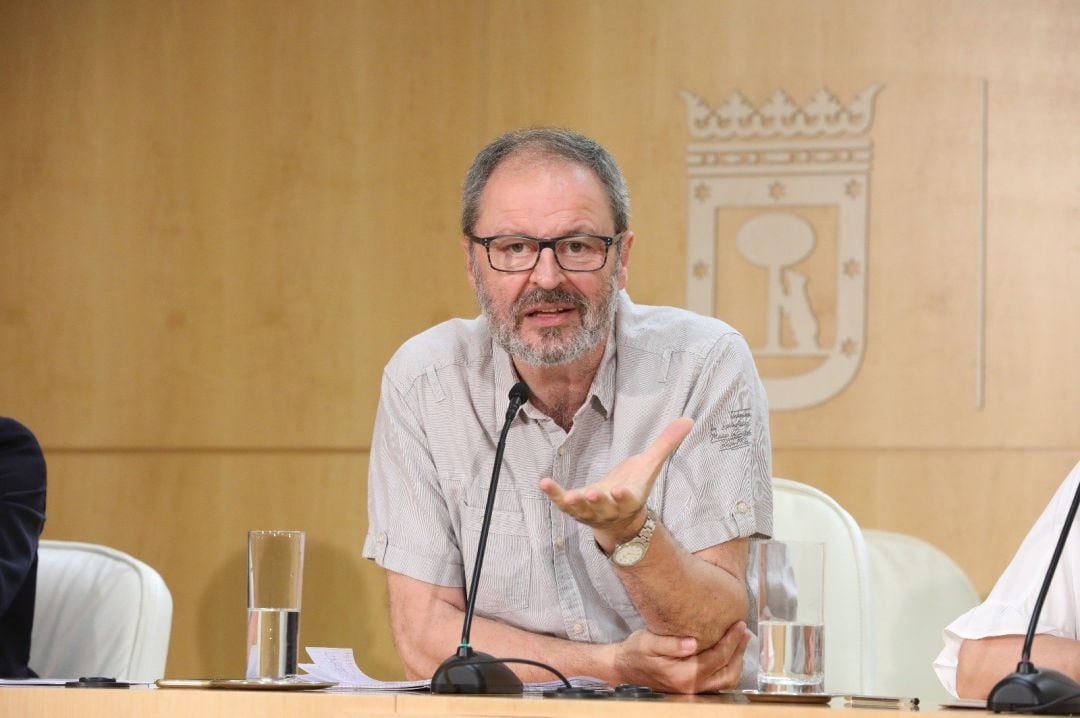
[{"x": 628, "y": 553}]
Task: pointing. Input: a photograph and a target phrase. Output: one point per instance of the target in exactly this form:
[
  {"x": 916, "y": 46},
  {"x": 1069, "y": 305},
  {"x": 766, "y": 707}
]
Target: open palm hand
[{"x": 616, "y": 502}]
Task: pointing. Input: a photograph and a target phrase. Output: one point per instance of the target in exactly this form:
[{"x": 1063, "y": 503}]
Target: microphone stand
[
  {"x": 1030, "y": 689},
  {"x": 469, "y": 671}
]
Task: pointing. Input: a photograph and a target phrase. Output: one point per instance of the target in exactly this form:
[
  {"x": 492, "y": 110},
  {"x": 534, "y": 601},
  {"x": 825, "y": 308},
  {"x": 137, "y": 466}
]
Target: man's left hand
[{"x": 677, "y": 665}]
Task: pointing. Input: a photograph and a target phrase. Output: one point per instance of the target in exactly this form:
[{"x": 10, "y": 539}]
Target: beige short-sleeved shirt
[{"x": 443, "y": 403}]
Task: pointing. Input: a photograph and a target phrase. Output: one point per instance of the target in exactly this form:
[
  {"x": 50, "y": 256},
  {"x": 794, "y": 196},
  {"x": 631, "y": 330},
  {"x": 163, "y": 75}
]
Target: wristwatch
[{"x": 629, "y": 553}]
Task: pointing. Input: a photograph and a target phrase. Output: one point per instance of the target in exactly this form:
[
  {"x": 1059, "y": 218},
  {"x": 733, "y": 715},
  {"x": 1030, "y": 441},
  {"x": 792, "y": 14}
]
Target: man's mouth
[{"x": 548, "y": 311}]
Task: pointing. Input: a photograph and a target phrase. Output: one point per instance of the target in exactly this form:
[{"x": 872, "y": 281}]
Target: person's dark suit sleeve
[{"x": 22, "y": 506}]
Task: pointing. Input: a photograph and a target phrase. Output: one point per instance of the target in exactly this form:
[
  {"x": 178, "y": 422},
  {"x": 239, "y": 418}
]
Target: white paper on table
[{"x": 338, "y": 665}]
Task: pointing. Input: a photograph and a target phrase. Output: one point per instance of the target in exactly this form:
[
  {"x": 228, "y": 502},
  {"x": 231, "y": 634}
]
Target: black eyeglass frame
[{"x": 543, "y": 244}]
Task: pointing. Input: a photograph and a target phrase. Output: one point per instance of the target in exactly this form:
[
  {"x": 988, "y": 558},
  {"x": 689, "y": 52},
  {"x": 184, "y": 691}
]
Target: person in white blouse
[{"x": 983, "y": 645}]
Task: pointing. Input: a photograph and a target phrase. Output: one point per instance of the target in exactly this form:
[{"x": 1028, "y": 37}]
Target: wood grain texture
[
  {"x": 218, "y": 220},
  {"x": 187, "y": 515},
  {"x": 46, "y": 702}
]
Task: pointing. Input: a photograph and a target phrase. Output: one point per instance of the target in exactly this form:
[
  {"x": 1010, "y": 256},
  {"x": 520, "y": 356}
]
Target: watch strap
[{"x": 639, "y": 543}]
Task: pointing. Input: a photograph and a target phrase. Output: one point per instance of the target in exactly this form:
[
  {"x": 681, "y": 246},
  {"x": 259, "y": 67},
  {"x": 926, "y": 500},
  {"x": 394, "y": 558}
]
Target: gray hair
[{"x": 546, "y": 142}]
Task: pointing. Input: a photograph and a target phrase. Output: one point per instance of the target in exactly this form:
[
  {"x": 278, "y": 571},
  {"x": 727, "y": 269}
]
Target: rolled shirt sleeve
[{"x": 409, "y": 525}]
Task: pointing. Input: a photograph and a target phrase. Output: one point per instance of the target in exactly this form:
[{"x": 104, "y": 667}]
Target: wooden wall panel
[
  {"x": 219, "y": 219},
  {"x": 213, "y": 230},
  {"x": 187, "y": 514}
]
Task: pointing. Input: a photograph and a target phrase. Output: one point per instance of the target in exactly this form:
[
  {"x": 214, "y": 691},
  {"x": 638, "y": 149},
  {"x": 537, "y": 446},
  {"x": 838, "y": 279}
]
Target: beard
[{"x": 556, "y": 345}]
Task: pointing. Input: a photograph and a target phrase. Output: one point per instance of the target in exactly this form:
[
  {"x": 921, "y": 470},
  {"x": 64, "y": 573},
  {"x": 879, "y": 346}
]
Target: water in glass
[
  {"x": 791, "y": 657},
  {"x": 273, "y": 640}
]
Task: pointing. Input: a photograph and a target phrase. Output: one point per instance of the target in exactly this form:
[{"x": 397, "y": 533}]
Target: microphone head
[{"x": 519, "y": 393}]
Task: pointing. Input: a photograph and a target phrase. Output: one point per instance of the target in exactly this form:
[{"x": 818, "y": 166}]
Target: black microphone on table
[
  {"x": 1030, "y": 689},
  {"x": 469, "y": 671}
]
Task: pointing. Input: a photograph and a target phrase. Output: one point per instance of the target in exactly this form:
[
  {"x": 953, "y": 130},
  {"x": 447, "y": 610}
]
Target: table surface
[{"x": 32, "y": 702}]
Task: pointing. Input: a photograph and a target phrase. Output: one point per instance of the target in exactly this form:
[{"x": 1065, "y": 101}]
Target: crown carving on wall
[{"x": 780, "y": 116}]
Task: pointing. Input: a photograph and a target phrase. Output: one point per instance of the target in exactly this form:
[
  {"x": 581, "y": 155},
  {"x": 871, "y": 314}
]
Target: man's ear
[
  {"x": 466, "y": 246},
  {"x": 624, "y": 259}
]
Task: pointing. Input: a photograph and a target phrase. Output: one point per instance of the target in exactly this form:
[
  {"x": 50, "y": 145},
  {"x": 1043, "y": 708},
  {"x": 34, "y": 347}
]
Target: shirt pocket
[{"x": 506, "y": 572}]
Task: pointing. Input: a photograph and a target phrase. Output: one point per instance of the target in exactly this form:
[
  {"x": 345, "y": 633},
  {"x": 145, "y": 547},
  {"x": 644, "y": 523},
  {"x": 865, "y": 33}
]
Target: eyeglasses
[{"x": 573, "y": 253}]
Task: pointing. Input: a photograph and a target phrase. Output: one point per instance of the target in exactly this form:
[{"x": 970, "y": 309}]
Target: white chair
[
  {"x": 803, "y": 513},
  {"x": 918, "y": 590},
  {"x": 98, "y": 612}
]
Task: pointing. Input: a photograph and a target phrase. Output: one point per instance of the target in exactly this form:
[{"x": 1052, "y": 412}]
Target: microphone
[
  {"x": 469, "y": 671},
  {"x": 1030, "y": 689}
]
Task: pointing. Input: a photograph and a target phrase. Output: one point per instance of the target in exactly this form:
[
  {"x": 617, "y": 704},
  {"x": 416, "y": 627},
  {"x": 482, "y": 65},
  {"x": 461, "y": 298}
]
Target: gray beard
[{"x": 557, "y": 346}]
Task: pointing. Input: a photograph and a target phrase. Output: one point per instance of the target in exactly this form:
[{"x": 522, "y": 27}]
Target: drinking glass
[
  {"x": 790, "y": 580},
  {"x": 275, "y": 582}
]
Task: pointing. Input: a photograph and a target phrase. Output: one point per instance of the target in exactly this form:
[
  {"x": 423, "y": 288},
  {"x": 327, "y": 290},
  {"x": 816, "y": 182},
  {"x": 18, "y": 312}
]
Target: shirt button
[
  {"x": 559, "y": 542},
  {"x": 578, "y": 629},
  {"x": 741, "y": 507},
  {"x": 562, "y": 451},
  {"x": 381, "y": 538}
]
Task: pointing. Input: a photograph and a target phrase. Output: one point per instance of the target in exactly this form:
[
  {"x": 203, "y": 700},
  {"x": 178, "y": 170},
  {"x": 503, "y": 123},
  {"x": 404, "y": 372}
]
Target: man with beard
[{"x": 633, "y": 476}]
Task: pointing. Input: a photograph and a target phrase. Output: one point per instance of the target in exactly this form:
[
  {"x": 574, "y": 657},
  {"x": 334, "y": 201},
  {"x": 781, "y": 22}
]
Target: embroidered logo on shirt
[{"x": 733, "y": 433}]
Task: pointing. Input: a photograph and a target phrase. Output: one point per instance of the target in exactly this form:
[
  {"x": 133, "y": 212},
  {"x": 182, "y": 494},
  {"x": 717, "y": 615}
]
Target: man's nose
[{"x": 547, "y": 273}]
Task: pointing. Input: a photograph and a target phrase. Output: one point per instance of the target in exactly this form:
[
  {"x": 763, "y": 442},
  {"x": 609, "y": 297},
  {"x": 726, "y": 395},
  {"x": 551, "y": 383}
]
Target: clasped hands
[{"x": 675, "y": 664}]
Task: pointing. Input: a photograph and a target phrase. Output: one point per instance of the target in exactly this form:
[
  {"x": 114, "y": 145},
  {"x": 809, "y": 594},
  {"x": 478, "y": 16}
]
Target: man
[
  {"x": 983, "y": 645},
  {"x": 22, "y": 516},
  {"x": 547, "y": 246}
]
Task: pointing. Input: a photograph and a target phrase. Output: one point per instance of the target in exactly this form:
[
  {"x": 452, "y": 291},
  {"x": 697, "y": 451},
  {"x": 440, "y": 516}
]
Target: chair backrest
[
  {"x": 803, "y": 513},
  {"x": 918, "y": 590},
  {"x": 98, "y": 612}
]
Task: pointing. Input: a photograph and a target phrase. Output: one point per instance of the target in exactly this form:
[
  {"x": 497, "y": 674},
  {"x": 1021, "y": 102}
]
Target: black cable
[
  {"x": 1049, "y": 704},
  {"x": 566, "y": 683}
]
